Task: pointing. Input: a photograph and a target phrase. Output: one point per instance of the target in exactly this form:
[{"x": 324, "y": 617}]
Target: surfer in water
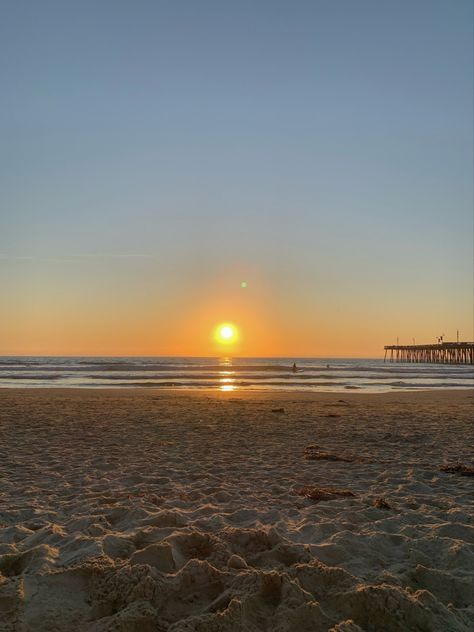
[{"x": 294, "y": 369}]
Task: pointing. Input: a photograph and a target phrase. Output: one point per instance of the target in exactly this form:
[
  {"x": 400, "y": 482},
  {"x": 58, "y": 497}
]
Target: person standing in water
[{"x": 294, "y": 369}]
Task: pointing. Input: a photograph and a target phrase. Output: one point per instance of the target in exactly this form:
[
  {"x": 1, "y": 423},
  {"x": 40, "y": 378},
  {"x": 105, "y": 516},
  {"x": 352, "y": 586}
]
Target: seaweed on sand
[
  {"x": 458, "y": 468},
  {"x": 312, "y": 454},
  {"x": 317, "y": 494}
]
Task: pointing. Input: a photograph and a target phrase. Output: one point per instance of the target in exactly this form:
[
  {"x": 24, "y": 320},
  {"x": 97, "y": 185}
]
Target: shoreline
[{"x": 245, "y": 392}]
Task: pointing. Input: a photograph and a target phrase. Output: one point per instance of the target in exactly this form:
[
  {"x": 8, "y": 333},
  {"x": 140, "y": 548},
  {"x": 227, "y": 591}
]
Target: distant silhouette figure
[{"x": 294, "y": 369}]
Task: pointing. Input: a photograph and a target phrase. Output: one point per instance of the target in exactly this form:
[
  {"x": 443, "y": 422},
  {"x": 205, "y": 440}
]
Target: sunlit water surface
[{"x": 227, "y": 374}]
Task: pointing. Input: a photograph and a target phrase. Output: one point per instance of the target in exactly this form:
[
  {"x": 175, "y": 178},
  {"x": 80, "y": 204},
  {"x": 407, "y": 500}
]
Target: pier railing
[{"x": 443, "y": 353}]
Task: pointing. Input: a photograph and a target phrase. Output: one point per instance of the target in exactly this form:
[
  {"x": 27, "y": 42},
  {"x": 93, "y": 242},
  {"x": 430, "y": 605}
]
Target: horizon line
[{"x": 283, "y": 357}]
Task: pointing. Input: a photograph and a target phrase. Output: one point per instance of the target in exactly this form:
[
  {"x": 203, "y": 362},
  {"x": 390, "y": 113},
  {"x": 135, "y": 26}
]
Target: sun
[{"x": 226, "y": 333}]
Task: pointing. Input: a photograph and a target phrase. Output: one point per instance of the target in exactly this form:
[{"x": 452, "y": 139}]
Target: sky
[{"x": 155, "y": 154}]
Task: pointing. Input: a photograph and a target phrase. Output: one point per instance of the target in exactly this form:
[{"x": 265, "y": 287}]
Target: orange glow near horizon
[{"x": 268, "y": 319}]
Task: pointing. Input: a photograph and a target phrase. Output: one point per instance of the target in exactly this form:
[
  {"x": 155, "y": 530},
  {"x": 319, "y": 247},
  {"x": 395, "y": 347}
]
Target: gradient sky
[{"x": 155, "y": 154}]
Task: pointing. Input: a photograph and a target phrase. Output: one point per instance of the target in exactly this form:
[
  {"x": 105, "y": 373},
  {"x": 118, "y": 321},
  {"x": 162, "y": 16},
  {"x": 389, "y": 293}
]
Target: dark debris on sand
[
  {"x": 381, "y": 503},
  {"x": 458, "y": 468},
  {"x": 312, "y": 453},
  {"x": 317, "y": 494}
]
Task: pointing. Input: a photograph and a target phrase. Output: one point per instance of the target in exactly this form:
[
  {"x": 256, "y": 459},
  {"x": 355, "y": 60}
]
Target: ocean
[{"x": 228, "y": 374}]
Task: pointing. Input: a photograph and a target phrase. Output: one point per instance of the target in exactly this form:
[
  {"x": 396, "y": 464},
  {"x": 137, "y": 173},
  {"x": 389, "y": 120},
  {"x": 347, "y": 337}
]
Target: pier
[{"x": 443, "y": 353}]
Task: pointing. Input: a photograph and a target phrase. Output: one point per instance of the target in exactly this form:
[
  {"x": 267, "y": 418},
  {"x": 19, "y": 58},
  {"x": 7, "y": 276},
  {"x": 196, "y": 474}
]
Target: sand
[{"x": 156, "y": 510}]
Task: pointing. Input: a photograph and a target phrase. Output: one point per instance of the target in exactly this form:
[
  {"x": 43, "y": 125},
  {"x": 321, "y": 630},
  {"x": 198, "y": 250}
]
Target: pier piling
[{"x": 443, "y": 353}]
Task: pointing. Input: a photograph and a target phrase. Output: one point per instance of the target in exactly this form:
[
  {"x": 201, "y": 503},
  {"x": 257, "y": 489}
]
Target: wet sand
[{"x": 195, "y": 511}]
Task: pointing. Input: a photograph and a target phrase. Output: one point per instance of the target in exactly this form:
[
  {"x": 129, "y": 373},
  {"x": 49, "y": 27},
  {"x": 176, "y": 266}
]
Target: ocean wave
[
  {"x": 244, "y": 373},
  {"x": 33, "y": 376}
]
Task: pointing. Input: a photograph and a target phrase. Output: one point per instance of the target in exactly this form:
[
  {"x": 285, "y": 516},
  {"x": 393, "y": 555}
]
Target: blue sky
[{"x": 152, "y": 150}]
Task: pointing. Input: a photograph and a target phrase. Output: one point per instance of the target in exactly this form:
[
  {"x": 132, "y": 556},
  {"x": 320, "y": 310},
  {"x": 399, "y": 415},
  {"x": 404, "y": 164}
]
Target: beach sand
[{"x": 156, "y": 510}]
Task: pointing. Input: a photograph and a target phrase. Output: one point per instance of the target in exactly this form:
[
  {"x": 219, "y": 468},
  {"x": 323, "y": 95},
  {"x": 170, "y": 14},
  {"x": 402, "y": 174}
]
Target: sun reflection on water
[
  {"x": 227, "y": 387},
  {"x": 226, "y": 383},
  {"x": 225, "y": 361}
]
